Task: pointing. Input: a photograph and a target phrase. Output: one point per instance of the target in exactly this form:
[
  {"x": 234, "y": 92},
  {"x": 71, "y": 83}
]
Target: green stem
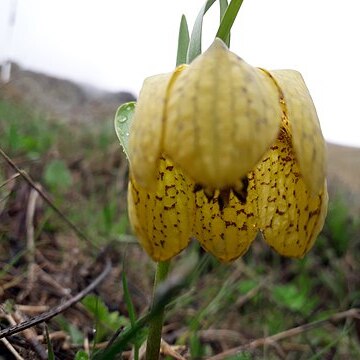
[{"x": 156, "y": 323}]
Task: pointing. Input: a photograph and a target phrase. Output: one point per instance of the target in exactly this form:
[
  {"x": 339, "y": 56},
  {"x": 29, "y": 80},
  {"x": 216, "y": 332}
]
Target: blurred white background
[{"x": 115, "y": 44}]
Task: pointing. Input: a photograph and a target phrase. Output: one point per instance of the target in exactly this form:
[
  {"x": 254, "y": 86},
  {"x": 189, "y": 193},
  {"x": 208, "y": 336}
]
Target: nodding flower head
[{"x": 220, "y": 150}]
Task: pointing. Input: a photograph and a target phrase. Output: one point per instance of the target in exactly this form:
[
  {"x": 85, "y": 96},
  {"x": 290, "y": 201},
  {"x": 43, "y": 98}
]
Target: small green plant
[
  {"x": 81, "y": 355},
  {"x": 76, "y": 336},
  {"x": 186, "y": 136},
  {"x": 106, "y": 322}
]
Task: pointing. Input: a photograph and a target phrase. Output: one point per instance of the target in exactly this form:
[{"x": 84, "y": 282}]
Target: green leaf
[
  {"x": 223, "y": 6},
  {"x": 81, "y": 355},
  {"x": 132, "y": 315},
  {"x": 107, "y": 321},
  {"x": 294, "y": 298},
  {"x": 51, "y": 355},
  {"x": 183, "y": 42},
  {"x": 76, "y": 336},
  {"x": 57, "y": 175},
  {"x": 228, "y": 20},
  {"x": 194, "y": 49},
  {"x": 129, "y": 303},
  {"x": 122, "y": 123}
]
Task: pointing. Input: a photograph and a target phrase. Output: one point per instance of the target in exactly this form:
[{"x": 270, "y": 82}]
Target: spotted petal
[
  {"x": 307, "y": 138},
  {"x": 290, "y": 217},
  {"x": 163, "y": 219},
  {"x": 226, "y": 230}
]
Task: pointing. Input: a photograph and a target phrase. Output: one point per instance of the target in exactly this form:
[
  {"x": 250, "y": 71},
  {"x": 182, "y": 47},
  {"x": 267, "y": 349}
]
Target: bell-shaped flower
[{"x": 220, "y": 150}]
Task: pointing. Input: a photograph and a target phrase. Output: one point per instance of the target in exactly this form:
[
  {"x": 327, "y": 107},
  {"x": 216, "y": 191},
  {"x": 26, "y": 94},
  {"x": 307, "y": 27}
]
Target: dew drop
[{"x": 122, "y": 119}]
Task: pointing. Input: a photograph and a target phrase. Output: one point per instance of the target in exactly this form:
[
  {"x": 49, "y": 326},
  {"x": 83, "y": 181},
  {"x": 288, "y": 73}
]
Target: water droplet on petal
[{"x": 123, "y": 119}]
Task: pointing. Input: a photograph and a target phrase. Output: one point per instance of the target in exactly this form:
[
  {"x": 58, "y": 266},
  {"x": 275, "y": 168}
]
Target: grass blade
[
  {"x": 128, "y": 301},
  {"x": 183, "y": 42},
  {"x": 164, "y": 295},
  {"x": 228, "y": 19},
  {"x": 196, "y": 34},
  {"x": 51, "y": 355},
  {"x": 131, "y": 311}
]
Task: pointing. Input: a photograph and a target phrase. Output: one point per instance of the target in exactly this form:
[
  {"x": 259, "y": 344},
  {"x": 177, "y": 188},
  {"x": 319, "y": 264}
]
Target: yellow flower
[{"x": 220, "y": 150}]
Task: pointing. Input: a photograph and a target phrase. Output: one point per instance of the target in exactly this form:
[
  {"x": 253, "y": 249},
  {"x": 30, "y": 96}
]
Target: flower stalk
[{"x": 156, "y": 323}]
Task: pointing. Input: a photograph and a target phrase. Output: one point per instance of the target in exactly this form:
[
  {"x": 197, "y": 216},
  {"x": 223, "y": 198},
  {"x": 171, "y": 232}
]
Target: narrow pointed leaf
[
  {"x": 128, "y": 300},
  {"x": 228, "y": 19},
  {"x": 122, "y": 123},
  {"x": 196, "y": 34},
  {"x": 131, "y": 311},
  {"x": 223, "y": 6},
  {"x": 51, "y": 355},
  {"x": 183, "y": 42}
]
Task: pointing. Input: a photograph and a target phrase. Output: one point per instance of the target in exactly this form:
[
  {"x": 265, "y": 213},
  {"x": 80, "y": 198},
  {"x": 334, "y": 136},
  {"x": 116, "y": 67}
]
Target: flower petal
[
  {"x": 146, "y": 130},
  {"x": 226, "y": 231},
  {"x": 163, "y": 219},
  {"x": 222, "y": 115},
  {"x": 307, "y": 138},
  {"x": 290, "y": 217}
]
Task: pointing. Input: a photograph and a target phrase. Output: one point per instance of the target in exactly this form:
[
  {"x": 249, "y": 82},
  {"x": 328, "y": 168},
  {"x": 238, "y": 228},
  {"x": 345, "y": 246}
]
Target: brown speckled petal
[
  {"x": 226, "y": 227},
  {"x": 163, "y": 219},
  {"x": 308, "y": 141},
  {"x": 290, "y": 217}
]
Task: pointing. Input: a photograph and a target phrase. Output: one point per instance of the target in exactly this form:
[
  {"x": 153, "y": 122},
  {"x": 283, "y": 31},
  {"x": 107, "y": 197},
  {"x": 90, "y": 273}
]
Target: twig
[
  {"x": 31, "y": 182},
  {"x": 11, "y": 178},
  {"x": 228, "y": 336},
  {"x": 30, "y": 335},
  {"x": 58, "y": 309},
  {"x": 170, "y": 350},
  {"x": 351, "y": 313},
  {"x": 31, "y": 308},
  {"x": 12, "y": 349},
  {"x": 30, "y": 213},
  {"x": 30, "y": 241},
  {"x": 56, "y": 335}
]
